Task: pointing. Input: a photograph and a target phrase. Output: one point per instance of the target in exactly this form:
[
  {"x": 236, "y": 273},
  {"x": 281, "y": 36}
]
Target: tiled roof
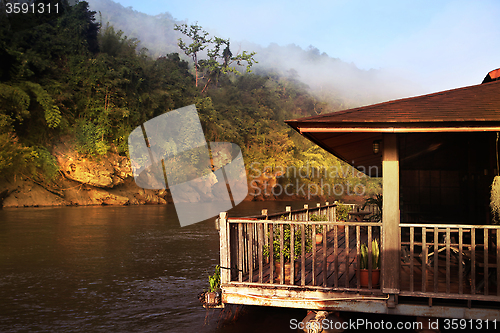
[{"x": 478, "y": 104}]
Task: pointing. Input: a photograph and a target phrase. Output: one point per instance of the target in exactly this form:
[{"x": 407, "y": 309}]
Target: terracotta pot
[
  {"x": 319, "y": 239},
  {"x": 364, "y": 277},
  {"x": 212, "y": 298}
]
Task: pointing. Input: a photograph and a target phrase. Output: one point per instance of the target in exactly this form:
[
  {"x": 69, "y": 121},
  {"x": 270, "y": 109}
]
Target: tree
[
  {"x": 220, "y": 58},
  {"x": 199, "y": 43}
]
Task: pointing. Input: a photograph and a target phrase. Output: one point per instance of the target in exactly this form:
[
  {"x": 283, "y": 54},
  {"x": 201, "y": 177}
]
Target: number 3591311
[{"x": 34, "y": 8}]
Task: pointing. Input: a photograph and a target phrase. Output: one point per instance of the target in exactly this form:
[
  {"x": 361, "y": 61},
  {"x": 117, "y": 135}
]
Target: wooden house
[{"x": 437, "y": 155}]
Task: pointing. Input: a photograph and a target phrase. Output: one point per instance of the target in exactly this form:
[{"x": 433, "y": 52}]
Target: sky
[{"x": 439, "y": 45}]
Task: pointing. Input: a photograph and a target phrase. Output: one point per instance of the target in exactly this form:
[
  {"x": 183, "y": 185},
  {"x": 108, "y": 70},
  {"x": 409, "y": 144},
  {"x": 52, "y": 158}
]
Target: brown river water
[
  {"x": 121, "y": 269},
  {"x": 116, "y": 269}
]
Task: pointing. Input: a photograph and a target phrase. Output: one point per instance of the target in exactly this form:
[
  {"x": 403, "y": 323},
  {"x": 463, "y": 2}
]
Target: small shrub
[{"x": 342, "y": 211}]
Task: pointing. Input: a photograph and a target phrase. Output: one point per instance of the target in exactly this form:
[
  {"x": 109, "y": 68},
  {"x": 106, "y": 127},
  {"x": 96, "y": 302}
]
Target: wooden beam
[
  {"x": 396, "y": 129},
  {"x": 390, "y": 254},
  {"x": 224, "y": 248}
]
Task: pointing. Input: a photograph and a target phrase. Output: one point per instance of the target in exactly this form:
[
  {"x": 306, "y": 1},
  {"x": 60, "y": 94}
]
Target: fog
[{"x": 336, "y": 80}]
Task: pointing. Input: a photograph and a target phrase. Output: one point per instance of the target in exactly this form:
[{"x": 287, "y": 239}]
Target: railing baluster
[
  {"x": 325, "y": 265},
  {"x": 250, "y": 252},
  {"x": 336, "y": 257},
  {"x": 292, "y": 253},
  {"x": 486, "y": 271},
  {"x": 497, "y": 231},
  {"x": 370, "y": 261},
  {"x": 282, "y": 256},
  {"x": 460, "y": 261},
  {"x": 261, "y": 241},
  {"x": 358, "y": 258},
  {"x": 240, "y": 252},
  {"x": 436, "y": 259},
  {"x": 303, "y": 255},
  {"x": 271, "y": 253},
  {"x": 313, "y": 239},
  {"x": 424, "y": 259},
  {"x": 473, "y": 260},
  {"x": 347, "y": 239},
  {"x": 412, "y": 245},
  {"x": 448, "y": 240}
]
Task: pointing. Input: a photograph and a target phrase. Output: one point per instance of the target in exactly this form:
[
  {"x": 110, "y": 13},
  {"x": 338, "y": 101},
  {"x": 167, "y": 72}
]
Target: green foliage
[
  {"x": 286, "y": 243},
  {"x": 220, "y": 58},
  {"x": 90, "y": 138},
  {"x": 375, "y": 255},
  {"x": 46, "y": 162},
  {"x": 115, "y": 44},
  {"x": 342, "y": 211},
  {"x": 317, "y": 217},
  {"x": 214, "y": 280},
  {"x": 375, "y": 200},
  {"x": 14, "y": 102},
  {"x": 65, "y": 76},
  {"x": 52, "y": 113},
  {"x": 15, "y": 158}
]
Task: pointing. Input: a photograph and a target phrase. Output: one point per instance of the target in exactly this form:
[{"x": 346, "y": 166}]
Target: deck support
[
  {"x": 225, "y": 273},
  {"x": 390, "y": 216}
]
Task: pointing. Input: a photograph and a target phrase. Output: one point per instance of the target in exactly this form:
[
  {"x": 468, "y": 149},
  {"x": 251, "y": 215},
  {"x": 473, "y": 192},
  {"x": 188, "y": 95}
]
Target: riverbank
[
  {"x": 108, "y": 180},
  {"x": 26, "y": 192}
]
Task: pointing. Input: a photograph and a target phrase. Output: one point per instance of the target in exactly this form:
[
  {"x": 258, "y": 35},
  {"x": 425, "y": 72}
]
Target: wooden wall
[{"x": 445, "y": 177}]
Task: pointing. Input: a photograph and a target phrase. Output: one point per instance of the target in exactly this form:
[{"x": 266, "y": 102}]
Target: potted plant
[
  {"x": 213, "y": 296},
  {"x": 319, "y": 228},
  {"x": 363, "y": 264},
  {"x": 286, "y": 249},
  {"x": 342, "y": 212}
]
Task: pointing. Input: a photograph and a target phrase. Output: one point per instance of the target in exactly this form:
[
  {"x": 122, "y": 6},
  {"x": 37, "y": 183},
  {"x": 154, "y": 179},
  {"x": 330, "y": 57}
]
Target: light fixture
[{"x": 376, "y": 146}]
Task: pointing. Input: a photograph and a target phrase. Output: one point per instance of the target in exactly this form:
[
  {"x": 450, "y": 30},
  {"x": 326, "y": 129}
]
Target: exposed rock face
[
  {"x": 109, "y": 181},
  {"x": 82, "y": 181},
  {"x": 105, "y": 172}
]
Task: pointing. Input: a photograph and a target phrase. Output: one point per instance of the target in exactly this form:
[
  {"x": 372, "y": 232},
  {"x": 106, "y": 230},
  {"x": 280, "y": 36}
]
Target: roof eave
[{"x": 395, "y": 127}]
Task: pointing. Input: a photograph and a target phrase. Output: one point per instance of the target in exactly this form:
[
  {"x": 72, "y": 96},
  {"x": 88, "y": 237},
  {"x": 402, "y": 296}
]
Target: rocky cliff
[{"x": 106, "y": 180}]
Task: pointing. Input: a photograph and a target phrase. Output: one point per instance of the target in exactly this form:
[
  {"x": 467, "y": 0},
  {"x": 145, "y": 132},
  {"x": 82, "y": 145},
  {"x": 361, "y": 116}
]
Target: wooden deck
[{"x": 440, "y": 263}]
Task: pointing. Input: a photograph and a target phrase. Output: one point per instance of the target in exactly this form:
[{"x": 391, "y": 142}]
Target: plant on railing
[
  {"x": 317, "y": 217},
  {"x": 375, "y": 200},
  {"x": 342, "y": 211},
  {"x": 375, "y": 256},
  {"x": 214, "y": 280},
  {"x": 286, "y": 244}
]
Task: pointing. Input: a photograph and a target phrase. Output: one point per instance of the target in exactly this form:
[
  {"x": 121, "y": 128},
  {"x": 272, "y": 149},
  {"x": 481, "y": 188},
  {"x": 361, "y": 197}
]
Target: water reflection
[{"x": 108, "y": 269}]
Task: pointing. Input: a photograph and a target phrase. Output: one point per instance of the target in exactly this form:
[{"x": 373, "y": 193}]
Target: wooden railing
[
  {"x": 450, "y": 261},
  {"x": 324, "y": 253}
]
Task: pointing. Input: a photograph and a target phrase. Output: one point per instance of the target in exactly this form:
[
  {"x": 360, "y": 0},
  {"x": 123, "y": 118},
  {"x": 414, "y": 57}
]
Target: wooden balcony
[{"x": 450, "y": 262}]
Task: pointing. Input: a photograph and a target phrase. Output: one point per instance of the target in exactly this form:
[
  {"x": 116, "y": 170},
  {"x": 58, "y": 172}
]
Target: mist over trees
[
  {"x": 70, "y": 79},
  {"x": 340, "y": 83}
]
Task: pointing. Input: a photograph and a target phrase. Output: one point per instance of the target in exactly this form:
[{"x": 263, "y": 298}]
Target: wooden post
[
  {"x": 335, "y": 211},
  {"x": 289, "y": 210},
  {"x": 327, "y": 204},
  {"x": 391, "y": 246},
  {"x": 264, "y": 212},
  {"x": 306, "y": 207},
  {"x": 224, "y": 248}
]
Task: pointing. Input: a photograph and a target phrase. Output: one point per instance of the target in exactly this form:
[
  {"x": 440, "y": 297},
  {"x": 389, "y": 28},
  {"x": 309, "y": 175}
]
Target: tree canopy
[{"x": 67, "y": 78}]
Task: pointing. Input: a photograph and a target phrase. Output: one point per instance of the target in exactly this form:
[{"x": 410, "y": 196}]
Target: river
[{"x": 117, "y": 269}]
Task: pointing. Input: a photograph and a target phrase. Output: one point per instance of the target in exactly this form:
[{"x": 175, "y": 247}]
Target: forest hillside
[{"x": 72, "y": 88}]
